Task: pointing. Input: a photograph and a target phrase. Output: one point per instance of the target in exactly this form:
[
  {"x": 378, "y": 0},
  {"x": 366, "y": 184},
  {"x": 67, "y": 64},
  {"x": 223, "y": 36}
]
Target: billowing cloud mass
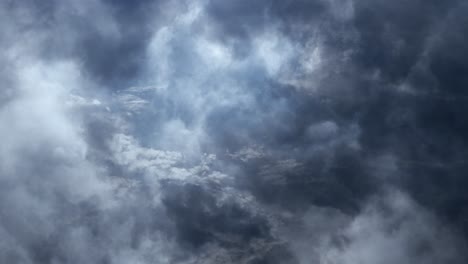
[{"x": 206, "y": 131}]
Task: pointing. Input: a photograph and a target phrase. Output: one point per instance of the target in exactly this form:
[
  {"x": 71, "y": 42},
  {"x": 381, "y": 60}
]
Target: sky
[{"x": 233, "y": 131}]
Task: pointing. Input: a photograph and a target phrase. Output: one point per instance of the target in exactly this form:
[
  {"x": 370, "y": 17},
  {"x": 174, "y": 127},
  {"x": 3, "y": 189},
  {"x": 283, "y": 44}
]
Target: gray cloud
[{"x": 327, "y": 131}]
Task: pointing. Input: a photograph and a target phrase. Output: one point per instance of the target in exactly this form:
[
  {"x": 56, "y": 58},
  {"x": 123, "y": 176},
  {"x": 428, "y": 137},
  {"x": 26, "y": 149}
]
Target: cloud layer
[{"x": 321, "y": 131}]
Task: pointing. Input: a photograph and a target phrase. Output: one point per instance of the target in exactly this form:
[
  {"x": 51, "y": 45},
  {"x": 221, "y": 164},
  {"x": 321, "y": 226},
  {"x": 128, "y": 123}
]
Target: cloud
[
  {"x": 390, "y": 228},
  {"x": 327, "y": 131},
  {"x": 396, "y": 231}
]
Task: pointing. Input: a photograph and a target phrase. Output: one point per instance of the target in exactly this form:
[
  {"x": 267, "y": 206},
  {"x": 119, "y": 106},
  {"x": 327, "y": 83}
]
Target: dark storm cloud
[
  {"x": 233, "y": 132},
  {"x": 117, "y": 59},
  {"x": 418, "y": 114},
  {"x": 407, "y": 72},
  {"x": 108, "y": 37}
]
